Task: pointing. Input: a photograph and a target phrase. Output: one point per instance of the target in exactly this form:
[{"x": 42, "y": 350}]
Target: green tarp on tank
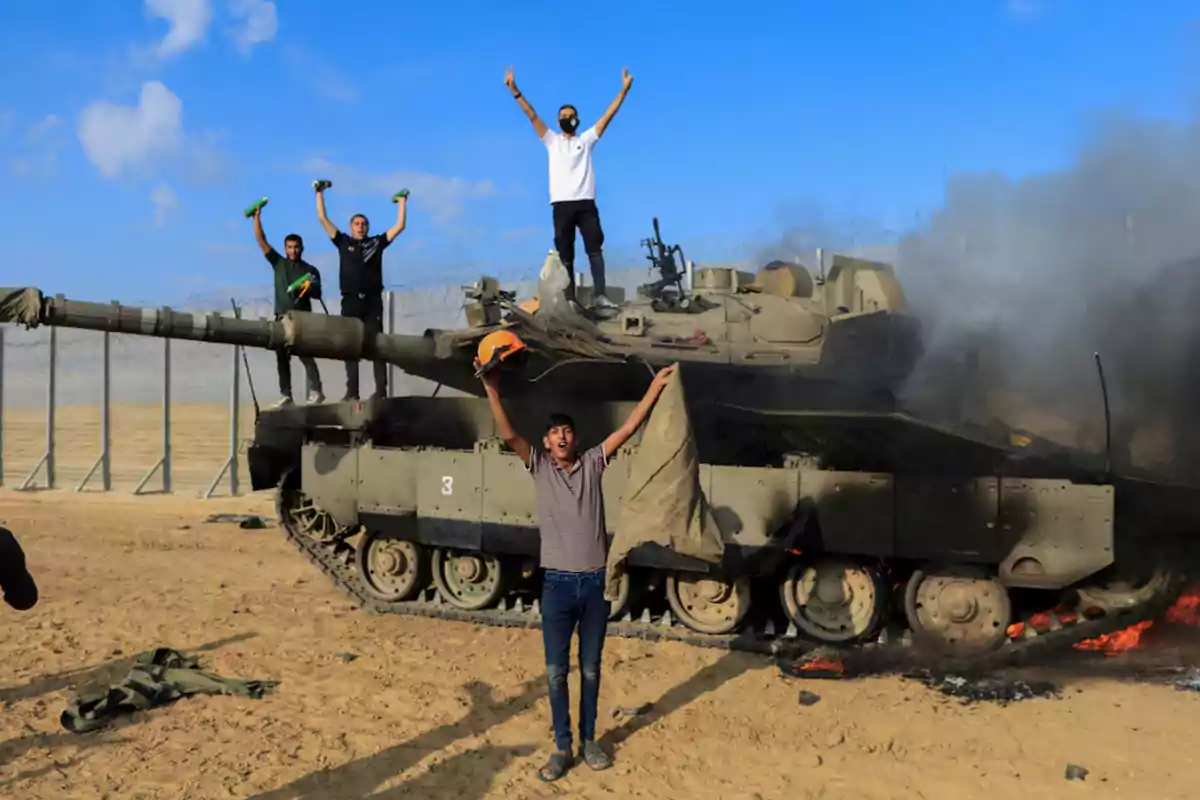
[
  {"x": 20, "y": 304},
  {"x": 663, "y": 502}
]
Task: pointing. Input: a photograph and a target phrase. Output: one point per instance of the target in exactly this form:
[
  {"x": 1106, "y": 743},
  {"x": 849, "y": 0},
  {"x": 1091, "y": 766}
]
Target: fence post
[
  {"x": 47, "y": 459},
  {"x": 164, "y": 463},
  {"x": 235, "y": 405},
  {"x": 103, "y": 463}
]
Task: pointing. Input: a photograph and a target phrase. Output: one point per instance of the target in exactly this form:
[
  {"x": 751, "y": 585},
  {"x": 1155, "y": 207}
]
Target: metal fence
[{"x": 31, "y": 362}]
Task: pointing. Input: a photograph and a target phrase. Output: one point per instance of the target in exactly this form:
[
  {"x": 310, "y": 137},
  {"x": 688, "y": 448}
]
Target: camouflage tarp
[
  {"x": 20, "y": 304},
  {"x": 663, "y": 502},
  {"x": 158, "y": 677}
]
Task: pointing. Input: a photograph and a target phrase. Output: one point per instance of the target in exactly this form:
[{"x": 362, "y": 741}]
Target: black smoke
[{"x": 1019, "y": 282}]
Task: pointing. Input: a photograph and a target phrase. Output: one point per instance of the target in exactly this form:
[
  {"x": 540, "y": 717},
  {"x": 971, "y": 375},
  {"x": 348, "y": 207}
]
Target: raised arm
[
  {"x": 534, "y": 119},
  {"x": 258, "y": 232},
  {"x": 401, "y": 217},
  {"x": 615, "y": 105},
  {"x": 621, "y": 435},
  {"x": 491, "y": 385},
  {"x": 329, "y": 227}
]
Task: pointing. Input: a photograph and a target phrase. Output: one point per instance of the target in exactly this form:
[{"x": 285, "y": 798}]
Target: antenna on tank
[
  {"x": 1107, "y": 418},
  {"x": 820, "y": 265}
]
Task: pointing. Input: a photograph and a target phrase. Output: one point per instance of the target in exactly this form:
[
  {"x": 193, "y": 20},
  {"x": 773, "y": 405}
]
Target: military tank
[{"x": 839, "y": 512}]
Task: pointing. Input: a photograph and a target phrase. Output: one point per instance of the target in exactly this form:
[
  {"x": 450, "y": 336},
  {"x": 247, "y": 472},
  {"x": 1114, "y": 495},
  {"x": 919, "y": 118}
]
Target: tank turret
[{"x": 779, "y": 338}]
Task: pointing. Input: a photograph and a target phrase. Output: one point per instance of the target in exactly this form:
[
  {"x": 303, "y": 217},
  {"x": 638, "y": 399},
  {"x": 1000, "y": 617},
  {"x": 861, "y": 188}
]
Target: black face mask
[{"x": 568, "y": 124}]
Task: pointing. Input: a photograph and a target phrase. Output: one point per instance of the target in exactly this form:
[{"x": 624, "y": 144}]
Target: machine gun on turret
[{"x": 667, "y": 293}]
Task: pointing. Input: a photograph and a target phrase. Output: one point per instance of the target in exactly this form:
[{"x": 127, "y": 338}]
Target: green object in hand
[
  {"x": 301, "y": 284},
  {"x": 322, "y": 184},
  {"x": 402, "y": 193},
  {"x": 249, "y": 212}
]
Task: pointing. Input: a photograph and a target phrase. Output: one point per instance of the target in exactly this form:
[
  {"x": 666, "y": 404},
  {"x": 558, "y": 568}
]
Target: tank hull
[{"x": 430, "y": 473}]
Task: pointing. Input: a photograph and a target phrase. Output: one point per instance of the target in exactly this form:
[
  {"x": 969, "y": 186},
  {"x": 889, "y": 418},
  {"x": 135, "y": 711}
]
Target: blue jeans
[{"x": 571, "y": 599}]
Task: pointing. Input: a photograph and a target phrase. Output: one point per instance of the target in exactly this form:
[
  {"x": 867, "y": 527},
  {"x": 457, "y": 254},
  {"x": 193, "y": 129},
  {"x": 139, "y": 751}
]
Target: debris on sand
[
  {"x": 1188, "y": 682},
  {"x": 246, "y": 521},
  {"x": 809, "y": 698},
  {"x": 632, "y": 711},
  {"x": 978, "y": 689},
  {"x": 1075, "y": 772}
]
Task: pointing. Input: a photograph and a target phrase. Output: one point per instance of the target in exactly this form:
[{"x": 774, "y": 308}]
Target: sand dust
[{"x": 432, "y": 709}]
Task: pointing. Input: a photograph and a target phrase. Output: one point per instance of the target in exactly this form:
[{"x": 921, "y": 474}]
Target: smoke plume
[{"x": 1018, "y": 282}]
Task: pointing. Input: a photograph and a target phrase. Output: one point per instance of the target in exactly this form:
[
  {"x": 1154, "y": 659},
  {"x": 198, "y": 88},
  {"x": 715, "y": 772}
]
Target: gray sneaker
[
  {"x": 604, "y": 302},
  {"x": 282, "y": 402},
  {"x": 316, "y": 398}
]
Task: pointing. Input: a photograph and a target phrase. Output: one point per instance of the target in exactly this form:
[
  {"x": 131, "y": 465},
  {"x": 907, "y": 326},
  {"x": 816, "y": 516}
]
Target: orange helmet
[{"x": 495, "y": 347}]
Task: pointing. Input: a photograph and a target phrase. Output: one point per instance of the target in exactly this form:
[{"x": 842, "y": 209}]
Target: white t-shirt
[{"x": 571, "y": 165}]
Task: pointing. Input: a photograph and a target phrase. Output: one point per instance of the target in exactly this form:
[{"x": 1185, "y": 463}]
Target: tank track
[{"x": 336, "y": 560}]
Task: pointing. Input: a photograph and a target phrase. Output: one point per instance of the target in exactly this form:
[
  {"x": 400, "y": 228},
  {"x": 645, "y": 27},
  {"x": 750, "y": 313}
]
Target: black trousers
[
  {"x": 283, "y": 366},
  {"x": 369, "y": 309},
  {"x": 583, "y": 215},
  {"x": 20, "y": 590}
]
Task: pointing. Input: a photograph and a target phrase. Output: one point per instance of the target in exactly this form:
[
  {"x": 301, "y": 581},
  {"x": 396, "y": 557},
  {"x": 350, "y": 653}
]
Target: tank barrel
[{"x": 300, "y": 333}]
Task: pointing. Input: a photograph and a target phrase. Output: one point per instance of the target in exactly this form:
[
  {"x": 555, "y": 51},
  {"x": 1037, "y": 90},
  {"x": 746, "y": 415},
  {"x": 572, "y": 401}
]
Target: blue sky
[{"x": 744, "y": 119}]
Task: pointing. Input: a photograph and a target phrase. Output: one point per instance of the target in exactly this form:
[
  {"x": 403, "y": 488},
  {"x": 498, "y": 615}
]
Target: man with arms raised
[
  {"x": 288, "y": 269},
  {"x": 574, "y": 550},
  {"x": 360, "y": 277},
  {"x": 572, "y": 184}
]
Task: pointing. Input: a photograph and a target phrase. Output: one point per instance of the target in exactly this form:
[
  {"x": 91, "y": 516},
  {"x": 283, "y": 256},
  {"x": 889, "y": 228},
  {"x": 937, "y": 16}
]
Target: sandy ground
[
  {"x": 450, "y": 710},
  {"x": 200, "y": 445}
]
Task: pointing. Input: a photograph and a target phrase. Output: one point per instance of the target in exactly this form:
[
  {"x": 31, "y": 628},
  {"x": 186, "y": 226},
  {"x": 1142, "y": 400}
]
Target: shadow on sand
[{"x": 463, "y": 776}]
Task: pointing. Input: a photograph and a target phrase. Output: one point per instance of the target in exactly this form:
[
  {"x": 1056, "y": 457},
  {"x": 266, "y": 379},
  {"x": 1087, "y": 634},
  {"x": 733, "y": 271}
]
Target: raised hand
[
  {"x": 664, "y": 375},
  {"x": 510, "y": 81},
  {"x": 626, "y": 78}
]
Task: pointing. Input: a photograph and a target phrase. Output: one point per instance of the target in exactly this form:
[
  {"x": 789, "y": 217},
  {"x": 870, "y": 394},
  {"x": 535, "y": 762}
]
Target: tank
[{"x": 846, "y": 521}]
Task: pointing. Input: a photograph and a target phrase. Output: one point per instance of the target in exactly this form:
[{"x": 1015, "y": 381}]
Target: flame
[
  {"x": 822, "y": 664},
  {"x": 1117, "y": 642},
  {"x": 1186, "y": 609}
]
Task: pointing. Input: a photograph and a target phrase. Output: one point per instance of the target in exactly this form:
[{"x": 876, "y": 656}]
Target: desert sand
[{"x": 432, "y": 709}]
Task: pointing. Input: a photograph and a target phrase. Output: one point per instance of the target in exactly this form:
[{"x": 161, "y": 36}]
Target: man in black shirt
[
  {"x": 360, "y": 277},
  {"x": 289, "y": 269},
  {"x": 20, "y": 589}
]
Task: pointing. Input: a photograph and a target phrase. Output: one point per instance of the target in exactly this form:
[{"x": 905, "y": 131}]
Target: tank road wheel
[
  {"x": 834, "y": 600},
  {"x": 470, "y": 581},
  {"x": 306, "y": 519},
  {"x": 958, "y": 610},
  {"x": 707, "y": 604},
  {"x": 391, "y": 569}
]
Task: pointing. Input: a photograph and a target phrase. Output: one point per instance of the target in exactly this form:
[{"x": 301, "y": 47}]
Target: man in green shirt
[{"x": 289, "y": 268}]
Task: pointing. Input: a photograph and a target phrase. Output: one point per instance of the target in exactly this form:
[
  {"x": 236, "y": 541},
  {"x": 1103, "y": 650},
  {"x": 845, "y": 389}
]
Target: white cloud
[
  {"x": 41, "y": 130},
  {"x": 327, "y": 82},
  {"x": 37, "y": 155},
  {"x": 257, "y": 23},
  {"x": 439, "y": 196},
  {"x": 164, "y": 201},
  {"x": 120, "y": 139},
  {"x": 188, "y": 21}
]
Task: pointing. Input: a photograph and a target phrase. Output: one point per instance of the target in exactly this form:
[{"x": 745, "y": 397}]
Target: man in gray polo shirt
[{"x": 574, "y": 549}]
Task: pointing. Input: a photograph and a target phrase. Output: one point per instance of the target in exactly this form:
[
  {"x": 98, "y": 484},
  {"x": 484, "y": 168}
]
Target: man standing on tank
[
  {"x": 360, "y": 278},
  {"x": 573, "y": 557},
  {"x": 288, "y": 269},
  {"x": 573, "y": 185}
]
